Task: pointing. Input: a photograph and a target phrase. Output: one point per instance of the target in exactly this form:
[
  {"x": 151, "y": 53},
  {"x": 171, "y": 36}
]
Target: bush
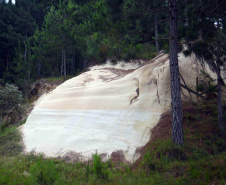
[
  {"x": 10, "y": 97},
  {"x": 9, "y": 141},
  {"x": 44, "y": 172},
  {"x": 164, "y": 154},
  {"x": 99, "y": 168}
]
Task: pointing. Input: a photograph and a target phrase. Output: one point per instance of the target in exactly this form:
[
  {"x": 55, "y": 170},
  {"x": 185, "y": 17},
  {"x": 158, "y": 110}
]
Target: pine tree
[
  {"x": 210, "y": 47},
  {"x": 177, "y": 122}
]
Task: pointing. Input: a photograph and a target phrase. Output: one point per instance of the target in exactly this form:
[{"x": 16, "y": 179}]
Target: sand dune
[{"x": 106, "y": 109}]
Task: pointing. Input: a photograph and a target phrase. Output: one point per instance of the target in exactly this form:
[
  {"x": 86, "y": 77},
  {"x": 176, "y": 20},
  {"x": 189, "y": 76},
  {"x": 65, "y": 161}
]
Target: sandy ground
[{"x": 107, "y": 109}]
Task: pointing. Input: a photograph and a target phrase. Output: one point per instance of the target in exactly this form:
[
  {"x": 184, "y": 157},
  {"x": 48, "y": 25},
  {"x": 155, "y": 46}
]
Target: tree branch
[{"x": 188, "y": 89}]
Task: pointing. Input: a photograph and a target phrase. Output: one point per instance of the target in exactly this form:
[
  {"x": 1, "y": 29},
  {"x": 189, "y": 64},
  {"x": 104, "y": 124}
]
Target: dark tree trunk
[
  {"x": 65, "y": 64},
  {"x": 219, "y": 94},
  {"x": 177, "y": 122},
  {"x": 0, "y": 118},
  {"x": 156, "y": 33},
  {"x": 62, "y": 64},
  {"x": 7, "y": 59},
  {"x": 72, "y": 65},
  {"x": 25, "y": 51},
  {"x": 25, "y": 54},
  {"x": 39, "y": 70},
  {"x": 186, "y": 23},
  {"x": 219, "y": 97}
]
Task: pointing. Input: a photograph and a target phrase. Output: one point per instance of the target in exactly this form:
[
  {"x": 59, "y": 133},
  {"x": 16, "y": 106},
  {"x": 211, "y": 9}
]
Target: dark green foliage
[
  {"x": 44, "y": 172},
  {"x": 32, "y": 44},
  {"x": 10, "y": 98},
  {"x": 9, "y": 141},
  {"x": 18, "y": 22},
  {"x": 165, "y": 154},
  {"x": 99, "y": 168},
  {"x": 24, "y": 121},
  {"x": 97, "y": 165},
  {"x": 33, "y": 34}
]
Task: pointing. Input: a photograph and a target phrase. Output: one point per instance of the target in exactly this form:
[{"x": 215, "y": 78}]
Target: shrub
[
  {"x": 9, "y": 141},
  {"x": 44, "y": 172},
  {"x": 10, "y": 97},
  {"x": 164, "y": 154},
  {"x": 99, "y": 168}
]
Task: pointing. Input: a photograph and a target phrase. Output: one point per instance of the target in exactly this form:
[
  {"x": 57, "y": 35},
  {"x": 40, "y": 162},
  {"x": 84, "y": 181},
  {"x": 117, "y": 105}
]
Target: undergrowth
[{"x": 9, "y": 141}]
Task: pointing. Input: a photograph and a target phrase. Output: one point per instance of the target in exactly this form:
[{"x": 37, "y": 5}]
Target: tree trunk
[
  {"x": 7, "y": 59},
  {"x": 25, "y": 54},
  {"x": 219, "y": 94},
  {"x": 219, "y": 97},
  {"x": 39, "y": 70},
  {"x": 177, "y": 121},
  {"x": 62, "y": 62},
  {"x": 65, "y": 64},
  {"x": 72, "y": 64},
  {"x": 1, "y": 119},
  {"x": 25, "y": 48},
  {"x": 186, "y": 24},
  {"x": 156, "y": 34}
]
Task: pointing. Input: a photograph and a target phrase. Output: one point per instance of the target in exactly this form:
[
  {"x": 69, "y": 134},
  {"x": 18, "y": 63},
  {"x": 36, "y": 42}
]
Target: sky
[{"x": 12, "y": 1}]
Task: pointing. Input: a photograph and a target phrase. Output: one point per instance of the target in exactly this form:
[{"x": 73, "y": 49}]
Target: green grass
[
  {"x": 202, "y": 160},
  {"x": 55, "y": 79}
]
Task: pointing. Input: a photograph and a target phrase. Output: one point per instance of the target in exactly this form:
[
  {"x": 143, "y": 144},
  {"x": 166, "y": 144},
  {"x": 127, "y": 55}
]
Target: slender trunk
[
  {"x": 197, "y": 84},
  {"x": 65, "y": 64},
  {"x": 156, "y": 34},
  {"x": 25, "y": 54},
  {"x": 25, "y": 48},
  {"x": 1, "y": 119},
  {"x": 39, "y": 70},
  {"x": 7, "y": 59},
  {"x": 51, "y": 71},
  {"x": 200, "y": 33},
  {"x": 62, "y": 62},
  {"x": 219, "y": 93},
  {"x": 177, "y": 122},
  {"x": 72, "y": 65},
  {"x": 219, "y": 97},
  {"x": 186, "y": 23}
]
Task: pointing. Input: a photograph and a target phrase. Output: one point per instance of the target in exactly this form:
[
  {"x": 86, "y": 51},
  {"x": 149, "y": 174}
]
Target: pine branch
[
  {"x": 153, "y": 24},
  {"x": 217, "y": 7},
  {"x": 148, "y": 11}
]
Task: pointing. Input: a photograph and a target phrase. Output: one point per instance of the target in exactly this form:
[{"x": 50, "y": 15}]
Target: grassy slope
[{"x": 202, "y": 160}]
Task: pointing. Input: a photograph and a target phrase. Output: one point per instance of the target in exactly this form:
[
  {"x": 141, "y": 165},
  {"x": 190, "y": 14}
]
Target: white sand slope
[{"x": 105, "y": 109}]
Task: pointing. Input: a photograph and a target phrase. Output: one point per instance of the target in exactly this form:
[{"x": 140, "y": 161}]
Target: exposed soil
[
  {"x": 118, "y": 156},
  {"x": 41, "y": 87},
  {"x": 119, "y": 72},
  {"x": 191, "y": 126}
]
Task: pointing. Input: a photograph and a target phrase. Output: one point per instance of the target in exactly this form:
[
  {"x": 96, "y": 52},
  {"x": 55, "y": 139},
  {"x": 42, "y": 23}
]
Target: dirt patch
[
  {"x": 118, "y": 156},
  {"x": 161, "y": 131},
  {"x": 119, "y": 72},
  {"x": 73, "y": 157},
  {"x": 41, "y": 87}
]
